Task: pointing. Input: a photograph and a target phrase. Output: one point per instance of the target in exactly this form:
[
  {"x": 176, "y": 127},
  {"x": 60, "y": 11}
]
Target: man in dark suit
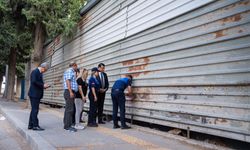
[
  {"x": 103, "y": 80},
  {"x": 37, "y": 87}
]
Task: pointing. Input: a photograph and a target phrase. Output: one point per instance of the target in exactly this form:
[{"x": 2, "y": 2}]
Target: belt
[
  {"x": 117, "y": 90},
  {"x": 71, "y": 90}
]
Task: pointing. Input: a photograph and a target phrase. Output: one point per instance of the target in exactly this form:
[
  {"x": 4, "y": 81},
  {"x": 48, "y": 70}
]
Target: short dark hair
[
  {"x": 130, "y": 76},
  {"x": 101, "y": 64}
]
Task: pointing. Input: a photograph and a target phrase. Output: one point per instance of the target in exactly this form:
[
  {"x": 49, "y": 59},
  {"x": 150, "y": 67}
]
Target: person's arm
[
  {"x": 68, "y": 82},
  {"x": 81, "y": 92},
  {"x": 80, "y": 83},
  {"x": 129, "y": 90},
  {"x": 92, "y": 85},
  {"x": 34, "y": 79},
  {"x": 106, "y": 82},
  {"x": 94, "y": 93}
]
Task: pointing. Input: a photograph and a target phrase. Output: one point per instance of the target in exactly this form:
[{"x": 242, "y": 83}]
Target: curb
[
  {"x": 34, "y": 139},
  {"x": 182, "y": 139}
]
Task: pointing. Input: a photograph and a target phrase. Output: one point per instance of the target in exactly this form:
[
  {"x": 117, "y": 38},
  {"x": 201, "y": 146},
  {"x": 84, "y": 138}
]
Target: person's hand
[
  {"x": 46, "y": 85},
  {"x": 84, "y": 99},
  {"x": 72, "y": 95},
  {"x": 95, "y": 98}
]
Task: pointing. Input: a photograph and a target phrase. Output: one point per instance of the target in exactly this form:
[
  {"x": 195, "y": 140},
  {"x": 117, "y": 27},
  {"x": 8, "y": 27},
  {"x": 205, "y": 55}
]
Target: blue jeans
[{"x": 118, "y": 99}]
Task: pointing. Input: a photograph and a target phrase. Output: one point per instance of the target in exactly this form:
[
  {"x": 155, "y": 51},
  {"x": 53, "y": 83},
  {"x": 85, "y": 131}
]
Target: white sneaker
[{"x": 79, "y": 127}]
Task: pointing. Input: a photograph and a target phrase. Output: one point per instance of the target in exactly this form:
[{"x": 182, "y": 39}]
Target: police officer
[
  {"x": 94, "y": 88},
  {"x": 118, "y": 99}
]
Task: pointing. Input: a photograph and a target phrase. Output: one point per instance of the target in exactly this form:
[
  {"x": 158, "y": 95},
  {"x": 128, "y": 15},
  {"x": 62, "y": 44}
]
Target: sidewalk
[{"x": 101, "y": 138}]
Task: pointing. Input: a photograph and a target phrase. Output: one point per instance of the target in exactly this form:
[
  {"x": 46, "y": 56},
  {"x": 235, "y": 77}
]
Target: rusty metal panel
[
  {"x": 191, "y": 65},
  {"x": 146, "y": 14}
]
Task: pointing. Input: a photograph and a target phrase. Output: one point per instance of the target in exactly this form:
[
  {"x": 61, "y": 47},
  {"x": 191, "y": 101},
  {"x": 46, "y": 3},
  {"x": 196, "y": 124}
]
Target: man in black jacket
[
  {"x": 103, "y": 80},
  {"x": 37, "y": 87}
]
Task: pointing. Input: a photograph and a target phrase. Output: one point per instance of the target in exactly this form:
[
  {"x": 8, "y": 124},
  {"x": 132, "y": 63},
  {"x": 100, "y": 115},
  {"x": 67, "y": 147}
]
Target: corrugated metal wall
[{"x": 190, "y": 60}]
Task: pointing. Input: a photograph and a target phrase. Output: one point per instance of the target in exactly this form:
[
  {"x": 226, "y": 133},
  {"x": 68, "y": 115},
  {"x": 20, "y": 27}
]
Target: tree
[
  {"x": 50, "y": 18},
  {"x": 15, "y": 39},
  {"x": 24, "y": 22}
]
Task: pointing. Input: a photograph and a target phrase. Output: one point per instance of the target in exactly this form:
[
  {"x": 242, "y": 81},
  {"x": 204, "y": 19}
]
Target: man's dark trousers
[
  {"x": 69, "y": 110},
  {"x": 33, "y": 120},
  {"x": 100, "y": 103},
  {"x": 118, "y": 99}
]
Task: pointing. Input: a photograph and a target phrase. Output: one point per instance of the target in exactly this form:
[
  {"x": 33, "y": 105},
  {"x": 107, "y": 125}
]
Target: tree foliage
[
  {"x": 58, "y": 16},
  {"x": 14, "y": 33}
]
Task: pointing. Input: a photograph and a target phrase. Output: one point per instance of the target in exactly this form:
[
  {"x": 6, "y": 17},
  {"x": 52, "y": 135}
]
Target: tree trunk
[
  {"x": 40, "y": 34},
  {"x": 36, "y": 57},
  {"x": 11, "y": 75}
]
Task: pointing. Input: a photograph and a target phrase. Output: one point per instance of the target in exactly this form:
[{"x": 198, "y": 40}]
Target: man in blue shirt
[
  {"x": 70, "y": 88},
  {"x": 118, "y": 99}
]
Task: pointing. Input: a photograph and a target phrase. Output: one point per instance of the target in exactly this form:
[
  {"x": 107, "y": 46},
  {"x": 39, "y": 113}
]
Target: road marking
[{"x": 130, "y": 139}]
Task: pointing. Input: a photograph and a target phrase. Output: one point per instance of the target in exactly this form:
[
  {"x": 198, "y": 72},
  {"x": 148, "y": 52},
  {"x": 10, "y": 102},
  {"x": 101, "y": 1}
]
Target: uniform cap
[{"x": 94, "y": 69}]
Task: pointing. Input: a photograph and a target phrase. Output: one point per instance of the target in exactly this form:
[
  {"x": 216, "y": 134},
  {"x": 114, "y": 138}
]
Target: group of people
[{"x": 76, "y": 88}]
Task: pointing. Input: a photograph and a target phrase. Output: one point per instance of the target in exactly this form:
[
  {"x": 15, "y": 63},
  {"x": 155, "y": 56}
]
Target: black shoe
[
  {"x": 116, "y": 126},
  {"x": 101, "y": 122},
  {"x": 92, "y": 125},
  {"x": 30, "y": 127},
  {"x": 126, "y": 127},
  {"x": 38, "y": 129},
  {"x": 71, "y": 129}
]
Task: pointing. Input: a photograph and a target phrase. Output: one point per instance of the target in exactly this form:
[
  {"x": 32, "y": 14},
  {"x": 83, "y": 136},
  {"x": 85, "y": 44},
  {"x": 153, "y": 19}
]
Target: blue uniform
[
  {"x": 93, "y": 82},
  {"x": 118, "y": 99},
  {"x": 121, "y": 84}
]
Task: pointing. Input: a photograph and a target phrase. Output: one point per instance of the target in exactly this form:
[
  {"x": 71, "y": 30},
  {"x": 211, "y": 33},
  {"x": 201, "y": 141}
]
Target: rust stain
[
  {"x": 83, "y": 21},
  {"x": 234, "y": 18},
  {"x": 136, "y": 68},
  {"x": 139, "y": 73},
  {"x": 57, "y": 40},
  {"x": 57, "y": 93},
  {"x": 241, "y": 3},
  {"x": 57, "y": 82},
  {"x": 127, "y": 63},
  {"x": 142, "y": 96},
  {"x": 244, "y": 2},
  {"x": 219, "y": 121},
  {"x": 223, "y": 120},
  {"x": 50, "y": 50},
  {"x": 136, "y": 61},
  {"x": 219, "y": 33}
]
